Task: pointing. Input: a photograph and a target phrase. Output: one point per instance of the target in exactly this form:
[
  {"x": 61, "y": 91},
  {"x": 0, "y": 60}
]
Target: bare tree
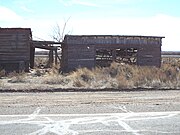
[{"x": 58, "y": 33}]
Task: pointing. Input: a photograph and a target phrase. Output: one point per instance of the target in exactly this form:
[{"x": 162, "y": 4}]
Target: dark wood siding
[
  {"x": 15, "y": 48},
  {"x": 80, "y": 51},
  {"x": 77, "y": 55},
  {"x": 149, "y": 56}
]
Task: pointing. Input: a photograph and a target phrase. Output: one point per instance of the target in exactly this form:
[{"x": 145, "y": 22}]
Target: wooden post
[
  {"x": 114, "y": 54},
  {"x": 51, "y": 58},
  {"x": 32, "y": 53},
  {"x": 56, "y": 56}
]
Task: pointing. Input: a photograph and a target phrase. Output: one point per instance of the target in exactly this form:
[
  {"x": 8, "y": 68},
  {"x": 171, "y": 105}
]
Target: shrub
[
  {"x": 17, "y": 77},
  {"x": 2, "y": 73},
  {"x": 119, "y": 76},
  {"x": 55, "y": 79},
  {"x": 1, "y": 83}
]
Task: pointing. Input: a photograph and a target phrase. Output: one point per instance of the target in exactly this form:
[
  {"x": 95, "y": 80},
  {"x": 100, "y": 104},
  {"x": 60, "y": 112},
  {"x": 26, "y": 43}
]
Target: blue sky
[{"x": 117, "y": 17}]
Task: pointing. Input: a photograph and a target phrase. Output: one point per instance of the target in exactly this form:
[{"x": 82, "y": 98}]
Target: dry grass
[
  {"x": 2, "y": 73},
  {"x": 117, "y": 76},
  {"x": 17, "y": 77},
  {"x": 41, "y": 62},
  {"x": 1, "y": 84}
]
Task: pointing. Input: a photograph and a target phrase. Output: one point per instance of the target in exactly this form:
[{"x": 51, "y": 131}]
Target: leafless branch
[
  {"x": 65, "y": 27},
  {"x": 57, "y": 34}
]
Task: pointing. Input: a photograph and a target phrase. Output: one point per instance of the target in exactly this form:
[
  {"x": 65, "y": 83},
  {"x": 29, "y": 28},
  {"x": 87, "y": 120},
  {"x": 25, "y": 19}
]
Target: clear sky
[{"x": 116, "y": 17}]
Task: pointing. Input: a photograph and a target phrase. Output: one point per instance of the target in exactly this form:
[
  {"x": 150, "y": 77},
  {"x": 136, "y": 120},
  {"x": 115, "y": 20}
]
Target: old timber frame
[
  {"x": 17, "y": 49},
  {"x": 100, "y": 50},
  {"x": 14, "y": 49},
  {"x": 47, "y": 45}
]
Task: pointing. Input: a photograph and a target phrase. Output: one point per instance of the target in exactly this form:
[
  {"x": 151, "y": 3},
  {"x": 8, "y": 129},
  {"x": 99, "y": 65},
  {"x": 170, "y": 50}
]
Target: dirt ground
[{"x": 90, "y": 102}]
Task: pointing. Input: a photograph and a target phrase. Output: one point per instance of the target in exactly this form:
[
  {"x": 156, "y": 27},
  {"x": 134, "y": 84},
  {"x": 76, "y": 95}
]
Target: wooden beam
[
  {"x": 56, "y": 56},
  {"x": 51, "y": 59},
  {"x": 114, "y": 54},
  {"x": 46, "y": 42},
  {"x": 44, "y": 47}
]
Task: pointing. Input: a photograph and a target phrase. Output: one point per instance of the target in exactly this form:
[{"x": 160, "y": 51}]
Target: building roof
[
  {"x": 15, "y": 30},
  {"x": 116, "y": 36}
]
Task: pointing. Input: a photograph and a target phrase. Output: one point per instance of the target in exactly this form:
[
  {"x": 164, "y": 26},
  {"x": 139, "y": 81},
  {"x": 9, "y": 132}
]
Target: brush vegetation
[{"x": 117, "y": 76}]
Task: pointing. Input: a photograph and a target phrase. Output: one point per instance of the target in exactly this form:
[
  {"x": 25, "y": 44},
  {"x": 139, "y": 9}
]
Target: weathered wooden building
[
  {"x": 15, "y": 48},
  {"x": 47, "y": 45},
  {"x": 93, "y": 50}
]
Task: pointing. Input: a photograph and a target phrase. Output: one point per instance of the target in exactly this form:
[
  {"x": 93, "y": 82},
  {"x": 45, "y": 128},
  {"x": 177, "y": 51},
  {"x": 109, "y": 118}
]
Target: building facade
[
  {"x": 100, "y": 50},
  {"x": 15, "y": 48}
]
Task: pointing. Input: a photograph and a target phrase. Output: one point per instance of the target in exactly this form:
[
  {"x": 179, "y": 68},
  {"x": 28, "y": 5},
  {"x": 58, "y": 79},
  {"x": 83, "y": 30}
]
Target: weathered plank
[
  {"x": 15, "y": 46},
  {"x": 75, "y": 49}
]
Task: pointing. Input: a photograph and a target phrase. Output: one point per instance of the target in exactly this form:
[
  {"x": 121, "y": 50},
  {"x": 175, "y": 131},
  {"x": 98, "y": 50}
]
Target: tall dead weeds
[{"x": 118, "y": 76}]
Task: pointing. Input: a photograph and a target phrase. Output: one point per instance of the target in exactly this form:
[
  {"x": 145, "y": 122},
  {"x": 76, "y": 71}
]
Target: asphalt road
[{"x": 88, "y": 113}]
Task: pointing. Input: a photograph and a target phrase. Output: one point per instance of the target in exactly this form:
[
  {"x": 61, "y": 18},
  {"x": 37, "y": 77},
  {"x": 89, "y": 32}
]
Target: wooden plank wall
[
  {"x": 15, "y": 46},
  {"x": 149, "y": 56},
  {"x": 77, "y": 55},
  {"x": 113, "y": 40},
  {"x": 64, "y": 58}
]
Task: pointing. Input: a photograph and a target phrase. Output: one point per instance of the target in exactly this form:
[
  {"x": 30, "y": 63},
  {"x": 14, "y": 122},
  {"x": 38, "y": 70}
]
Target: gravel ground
[{"x": 90, "y": 102}]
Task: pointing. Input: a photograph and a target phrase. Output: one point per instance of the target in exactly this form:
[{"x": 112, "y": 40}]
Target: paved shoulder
[{"x": 145, "y": 123}]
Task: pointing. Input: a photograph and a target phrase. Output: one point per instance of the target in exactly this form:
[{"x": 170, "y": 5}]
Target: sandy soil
[{"x": 85, "y": 102}]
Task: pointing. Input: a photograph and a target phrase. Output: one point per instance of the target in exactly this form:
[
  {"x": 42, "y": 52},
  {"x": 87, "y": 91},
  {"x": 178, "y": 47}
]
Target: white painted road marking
[
  {"x": 61, "y": 124},
  {"x": 98, "y": 114}
]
